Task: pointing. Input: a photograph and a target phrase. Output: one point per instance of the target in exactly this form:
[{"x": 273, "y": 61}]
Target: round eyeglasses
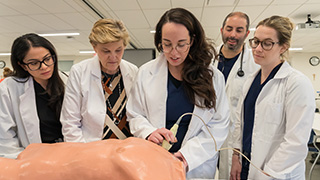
[
  {"x": 181, "y": 48},
  {"x": 265, "y": 44},
  {"x": 35, "y": 64}
]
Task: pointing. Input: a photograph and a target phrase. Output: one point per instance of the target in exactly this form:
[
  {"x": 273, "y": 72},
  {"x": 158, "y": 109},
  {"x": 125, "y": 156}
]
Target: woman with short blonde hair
[
  {"x": 94, "y": 106},
  {"x": 108, "y": 30}
]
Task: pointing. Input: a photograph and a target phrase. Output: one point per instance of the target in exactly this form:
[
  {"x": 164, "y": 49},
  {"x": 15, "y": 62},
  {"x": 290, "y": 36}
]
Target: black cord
[{"x": 240, "y": 72}]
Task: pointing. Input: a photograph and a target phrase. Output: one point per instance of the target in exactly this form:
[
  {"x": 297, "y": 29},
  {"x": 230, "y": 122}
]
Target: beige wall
[
  {"x": 299, "y": 61},
  {"x": 76, "y": 59}
]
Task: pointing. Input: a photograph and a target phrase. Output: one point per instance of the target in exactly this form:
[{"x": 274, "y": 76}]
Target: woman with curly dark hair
[{"x": 181, "y": 80}]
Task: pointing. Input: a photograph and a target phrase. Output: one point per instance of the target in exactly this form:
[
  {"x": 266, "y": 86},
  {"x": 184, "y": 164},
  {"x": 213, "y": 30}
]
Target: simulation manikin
[{"x": 132, "y": 158}]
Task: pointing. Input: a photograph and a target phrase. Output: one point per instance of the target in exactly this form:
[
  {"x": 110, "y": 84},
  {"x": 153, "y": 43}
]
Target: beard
[{"x": 233, "y": 47}]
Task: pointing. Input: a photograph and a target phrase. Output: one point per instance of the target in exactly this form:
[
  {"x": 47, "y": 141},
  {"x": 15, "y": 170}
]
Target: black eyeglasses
[
  {"x": 265, "y": 44},
  {"x": 35, "y": 64}
]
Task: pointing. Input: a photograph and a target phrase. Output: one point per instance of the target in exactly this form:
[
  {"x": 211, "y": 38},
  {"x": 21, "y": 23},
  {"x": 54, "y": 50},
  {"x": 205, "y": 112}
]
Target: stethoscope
[{"x": 240, "y": 72}]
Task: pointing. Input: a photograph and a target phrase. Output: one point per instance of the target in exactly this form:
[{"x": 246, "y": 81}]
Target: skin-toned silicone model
[{"x": 132, "y": 158}]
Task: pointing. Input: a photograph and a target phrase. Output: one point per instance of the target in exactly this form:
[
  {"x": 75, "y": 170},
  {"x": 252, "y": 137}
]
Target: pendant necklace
[
  {"x": 110, "y": 80},
  {"x": 110, "y": 77},
  {"x": 112, "y": 113}
]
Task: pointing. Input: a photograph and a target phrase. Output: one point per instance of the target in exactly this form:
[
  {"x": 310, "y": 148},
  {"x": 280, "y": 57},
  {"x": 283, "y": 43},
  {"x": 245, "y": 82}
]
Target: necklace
[
  {"x": 110, "y": 78},
  {"x": 114, "y": 116}
]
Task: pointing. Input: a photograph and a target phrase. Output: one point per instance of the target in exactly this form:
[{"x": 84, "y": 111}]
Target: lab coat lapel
[
  {"x": 237, "y": 64},
  {"x": 283, "y": 72},
  {"x": 28, "y": 111},
  {"x": 96, "y": 105},
  {"x": 95, "y": 68},
  {"x": 127, "y": 79},
  {"x": 248, "y": 83},
  {"x": 234, "y": 69},
  {"x": 96, "y": 84},
  {"x": 96, "y": 74},
  {"x": 216, "y": 61},
  {"x": 159, "y": 72},
  {"x": 233, "y": 72}
]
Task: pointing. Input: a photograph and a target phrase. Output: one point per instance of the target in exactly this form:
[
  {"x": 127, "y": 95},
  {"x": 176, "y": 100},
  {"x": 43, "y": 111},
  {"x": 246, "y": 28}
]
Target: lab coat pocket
[
  {"x": 235, "y": 93},
  {"x": 234, "y": 102},
  {"x": 272, "y": 120},
  {"x": 274, "y": 113}
]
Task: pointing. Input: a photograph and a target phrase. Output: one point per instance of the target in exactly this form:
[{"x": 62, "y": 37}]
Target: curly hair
[{"x": 196, "y": 75}]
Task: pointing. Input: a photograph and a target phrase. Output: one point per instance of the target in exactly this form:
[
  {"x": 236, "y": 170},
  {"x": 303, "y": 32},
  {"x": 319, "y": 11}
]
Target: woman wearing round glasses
[
  {"x": 182, "y": 79},
  {"x": 31, "y": 99},
  {"x": 276, "y": 110}
]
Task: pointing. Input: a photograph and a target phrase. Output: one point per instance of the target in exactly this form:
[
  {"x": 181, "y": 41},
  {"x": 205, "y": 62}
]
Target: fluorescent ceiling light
[
  {"x": 5, "y": 54},
  {"x": 252, "y": 29},
  {"x": 295, "y": 49},
  {"x": 152, "y": 31},
  {"x": 60, "y": 34},
  {"x": 87, "y": 52}
]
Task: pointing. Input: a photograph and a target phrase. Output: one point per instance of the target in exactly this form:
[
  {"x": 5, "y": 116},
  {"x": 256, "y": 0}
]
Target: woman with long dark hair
[
  {"x": 181, "y": 80},
  {"x": 30, "y": 99}
]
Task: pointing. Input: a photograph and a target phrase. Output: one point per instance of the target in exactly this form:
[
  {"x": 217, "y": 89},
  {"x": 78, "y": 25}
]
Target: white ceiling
[{"x": 18, "y": 17}]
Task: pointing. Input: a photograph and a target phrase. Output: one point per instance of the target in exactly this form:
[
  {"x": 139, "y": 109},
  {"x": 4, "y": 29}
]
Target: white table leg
[{"x": 316, "y": 160}]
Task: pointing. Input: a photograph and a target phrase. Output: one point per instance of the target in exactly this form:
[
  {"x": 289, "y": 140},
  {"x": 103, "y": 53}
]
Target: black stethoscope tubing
[{"x": 240, "y": 72}]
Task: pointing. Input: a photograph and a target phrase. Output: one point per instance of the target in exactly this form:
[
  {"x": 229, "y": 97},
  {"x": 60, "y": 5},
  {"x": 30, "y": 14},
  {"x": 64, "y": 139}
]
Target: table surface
[{"x": 316, "y": 123}]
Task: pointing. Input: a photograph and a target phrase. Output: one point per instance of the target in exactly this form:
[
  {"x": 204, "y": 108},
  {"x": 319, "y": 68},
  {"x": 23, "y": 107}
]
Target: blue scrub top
[
  {"x": 178, "y": 103},
  {"x": 249, "y": 107},
  {"x": 225, "y": 65}
]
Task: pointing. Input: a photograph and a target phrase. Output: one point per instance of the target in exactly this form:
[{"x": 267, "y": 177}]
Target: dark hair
[
  {"x": 240, "y": 14},
  {"x": 19, "y": 50},
  {"x": 196, "y": 76}
]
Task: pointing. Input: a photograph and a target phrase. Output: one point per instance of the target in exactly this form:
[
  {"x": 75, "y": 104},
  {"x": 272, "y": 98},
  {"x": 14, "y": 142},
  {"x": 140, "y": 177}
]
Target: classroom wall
[
  {"x": 75, "y": 59},
  {"x": 137, "y": 57},
  {"x": 298, "y": 60}
]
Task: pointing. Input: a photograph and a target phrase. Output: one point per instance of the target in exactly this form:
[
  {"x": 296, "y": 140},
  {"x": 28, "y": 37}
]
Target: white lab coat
[
  {"x": 283, "y": 120},
  {"x": 84, "y": 107},
  {"x": 234, "y": 86},
  {"x": 146, "y": 111},
  {"x": 19, "y": 121}
]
